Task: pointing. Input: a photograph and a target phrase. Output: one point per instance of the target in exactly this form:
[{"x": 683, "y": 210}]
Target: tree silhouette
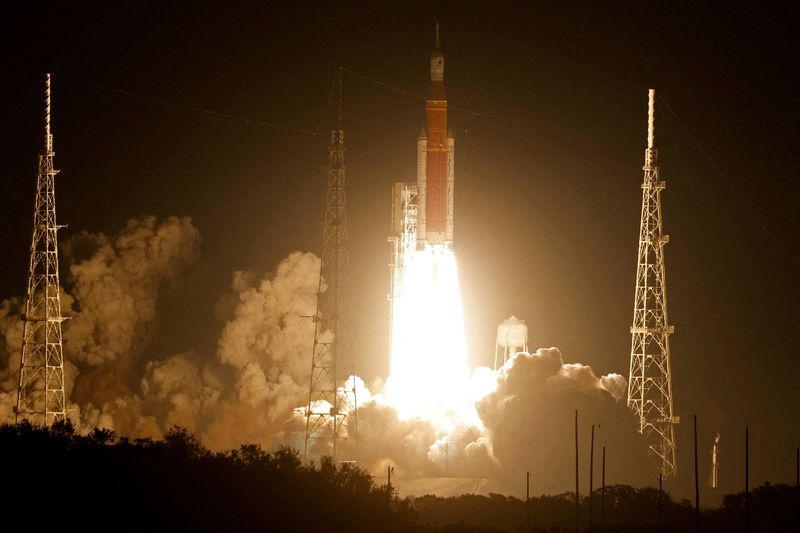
[{"x": 97, "y": 481}]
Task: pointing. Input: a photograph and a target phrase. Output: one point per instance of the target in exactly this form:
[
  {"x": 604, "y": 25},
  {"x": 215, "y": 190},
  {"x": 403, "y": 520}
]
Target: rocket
[{"x": 435, "y": 163}]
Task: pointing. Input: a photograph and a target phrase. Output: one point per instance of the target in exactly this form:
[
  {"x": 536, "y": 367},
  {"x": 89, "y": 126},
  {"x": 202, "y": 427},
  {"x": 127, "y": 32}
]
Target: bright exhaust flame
[{"x": 429, "y": 377}]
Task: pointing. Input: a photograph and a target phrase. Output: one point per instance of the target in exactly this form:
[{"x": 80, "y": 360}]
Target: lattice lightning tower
[
  {"x": 331, "y": 407},
  {"x": 40, "y": 398},
  {"x": 650, "y": 379}
]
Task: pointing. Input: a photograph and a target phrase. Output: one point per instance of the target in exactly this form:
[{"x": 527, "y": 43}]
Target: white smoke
[
  {"x": 268, "y": 343},
  {"x": 526, "y": 415},
  {"x": 529, "y": 420},
  {"x": 259, "y": 374},
  {"x": 525, "y": 412}
]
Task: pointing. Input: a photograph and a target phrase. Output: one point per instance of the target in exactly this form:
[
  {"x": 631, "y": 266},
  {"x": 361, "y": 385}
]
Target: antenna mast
[
  {"x": 330, "y": 407},
  {"x": 40, "y": 397},
  {"x": 650, "y": 378}
]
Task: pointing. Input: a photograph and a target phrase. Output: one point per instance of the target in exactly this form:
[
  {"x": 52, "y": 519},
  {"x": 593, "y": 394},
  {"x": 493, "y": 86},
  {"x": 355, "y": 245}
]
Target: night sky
[{"x": 549, "y": 150}]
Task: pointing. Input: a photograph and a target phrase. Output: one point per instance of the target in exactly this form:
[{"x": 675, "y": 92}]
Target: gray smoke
[{"x": 114, "y": 287}]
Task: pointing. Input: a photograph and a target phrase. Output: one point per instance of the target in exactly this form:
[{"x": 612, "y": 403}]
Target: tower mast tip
[
  {"x": 651, "y": 97},
  {"x": 48, "y": 138}
]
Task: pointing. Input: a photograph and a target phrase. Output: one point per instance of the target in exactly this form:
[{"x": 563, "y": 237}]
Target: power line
[
  {"x": 753, "y": 213},
  {"x": 261, "y": 122},
  {"x": 188, "y": 107},
  {"x": 415, "y": 95}
]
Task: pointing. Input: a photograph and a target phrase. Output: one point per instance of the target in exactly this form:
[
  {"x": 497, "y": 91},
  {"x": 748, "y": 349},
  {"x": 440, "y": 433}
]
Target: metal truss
[
  {"x": 331, "y": 409},
  {"x": 650, "y": 377},
  {"x": 40, "y": 397}
]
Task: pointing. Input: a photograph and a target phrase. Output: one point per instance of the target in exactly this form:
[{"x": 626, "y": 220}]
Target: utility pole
[
  {"x": 329, "y": 409},
  {"x": 591, "y": 477},
  {"x": 650, "y": 376},
  {"x": 660, "y": 495},
  {"x": 603, "y": 491},
  {"x": 40, "y": 396},
  {"x": 747, "y": 479},
  {"x": 797, "y": 486},
  {"x": 527, "y": 502},
  {"x": 696, "y": 481},
  {"x": 577, "y": 486}
]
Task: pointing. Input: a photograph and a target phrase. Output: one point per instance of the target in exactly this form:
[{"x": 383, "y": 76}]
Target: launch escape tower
[
  {"x": 40, "y": 398},
  {"x": 650, "y": 378},
  {"x": 330, "y": 407}
]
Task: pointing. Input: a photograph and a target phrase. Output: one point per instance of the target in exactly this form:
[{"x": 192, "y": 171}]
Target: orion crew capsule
[{"x": 435, "y": 163}]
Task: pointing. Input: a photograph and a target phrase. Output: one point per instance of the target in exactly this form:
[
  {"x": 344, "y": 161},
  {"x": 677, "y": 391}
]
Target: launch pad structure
[
  {"x": 40, "y": 397},
  {"x": 331, "y": 409},
  {"x": 650, "y": 376},
  {"x": 402, "y": 239}
]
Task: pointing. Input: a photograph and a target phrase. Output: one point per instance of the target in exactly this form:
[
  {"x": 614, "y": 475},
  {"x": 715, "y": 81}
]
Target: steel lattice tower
[
  {"x": 650, "y": 378},
  {"x": 330, "y": 407},
  {"x": 40, "y": 398}
]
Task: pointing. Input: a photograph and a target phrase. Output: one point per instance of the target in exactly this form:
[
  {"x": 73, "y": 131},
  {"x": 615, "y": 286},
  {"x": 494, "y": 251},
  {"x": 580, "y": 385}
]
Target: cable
[
  {"x": 734, "y": 190},
  {"x": 266, "y": 123},
  {"x": 187, "y": 107},
  {"x": 5, "y": 124},
  {"x": 414, "y": 95}
]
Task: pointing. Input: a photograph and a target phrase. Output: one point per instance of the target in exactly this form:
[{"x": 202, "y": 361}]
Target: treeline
[
  {"x": 54, "y": 477},
  {"x": 773, "y": 508}
]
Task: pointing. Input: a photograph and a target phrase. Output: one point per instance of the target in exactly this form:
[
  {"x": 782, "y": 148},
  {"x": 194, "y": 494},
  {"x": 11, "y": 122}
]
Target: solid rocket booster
[{"x": 435, "y": 163}]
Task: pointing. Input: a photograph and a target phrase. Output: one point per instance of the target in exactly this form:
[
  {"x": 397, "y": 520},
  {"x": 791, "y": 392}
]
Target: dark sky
[{"x": 547, "y": 191}]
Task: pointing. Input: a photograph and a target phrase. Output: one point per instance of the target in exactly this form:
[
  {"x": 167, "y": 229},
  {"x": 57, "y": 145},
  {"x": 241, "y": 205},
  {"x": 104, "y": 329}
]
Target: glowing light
[{"x": 429, "y": 377}]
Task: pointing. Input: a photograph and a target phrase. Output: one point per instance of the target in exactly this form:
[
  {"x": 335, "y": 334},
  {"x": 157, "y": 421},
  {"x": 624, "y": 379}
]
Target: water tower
[{"x": 512, "y": 337}]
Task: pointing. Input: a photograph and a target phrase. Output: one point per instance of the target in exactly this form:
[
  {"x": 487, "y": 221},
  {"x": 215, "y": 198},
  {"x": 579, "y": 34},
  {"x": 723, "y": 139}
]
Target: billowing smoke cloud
[
  {"x": 268, "y": 343},
  {"x": 529, "y": 421},
  {"x": 526, "y": 424},
  {"x": 259, "y": 374},
  {"x": 250, "y": 389},
  {"x": 243, "y": 393},
  {"x": 114, "y": 286},
  {"x": 10, "y": 344}
]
